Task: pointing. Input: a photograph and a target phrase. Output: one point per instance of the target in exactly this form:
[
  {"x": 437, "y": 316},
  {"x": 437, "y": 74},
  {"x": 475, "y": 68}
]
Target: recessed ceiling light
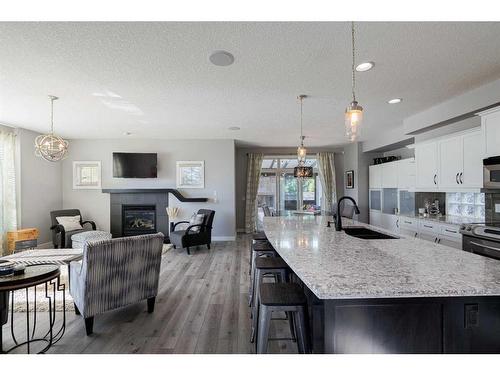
[
  {"x": 395, "y": 101},
  {"x": 364, "y": 67},
  {"x": 221, "y": 58},
  {"x": 127, "y": 133},
  {"x": 234, "y": 128}
]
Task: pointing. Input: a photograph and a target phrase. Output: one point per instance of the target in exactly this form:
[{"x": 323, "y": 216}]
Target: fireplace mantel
[{"x": 176, "y": 193}]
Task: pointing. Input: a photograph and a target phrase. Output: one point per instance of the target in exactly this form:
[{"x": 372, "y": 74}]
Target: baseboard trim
[{"x": 223, "y": 238}]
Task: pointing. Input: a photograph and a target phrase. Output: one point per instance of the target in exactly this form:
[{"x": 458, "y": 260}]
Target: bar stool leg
[
  {"x": 301, "y": 325},
  {"x": 252, "y": 278},
  {"x": 264, "y": 322},
  {"x": 259, "y": 278}
]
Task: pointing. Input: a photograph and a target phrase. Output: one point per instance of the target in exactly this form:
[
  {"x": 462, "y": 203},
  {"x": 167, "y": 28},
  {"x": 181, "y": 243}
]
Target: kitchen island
[{"x": 401, "y": 295}]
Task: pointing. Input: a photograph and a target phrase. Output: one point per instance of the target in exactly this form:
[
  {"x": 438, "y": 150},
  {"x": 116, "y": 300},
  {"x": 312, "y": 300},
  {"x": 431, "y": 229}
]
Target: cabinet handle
[
  {"x": 435, "y": 176},
  {"x": 397, "y": 223},
  {"x": 428, "y": 226},
  {"x": 438, "y": 240},
  {"x": 460, "y": 177},
  {"x": 451, "y": 231},
  {"x": 407, "y": 222},
  {"x": 456, "y": 179}
]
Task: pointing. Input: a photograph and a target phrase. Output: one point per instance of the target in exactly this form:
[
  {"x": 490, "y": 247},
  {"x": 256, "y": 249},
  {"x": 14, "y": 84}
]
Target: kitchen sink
[{"x": 367, "y": 234}]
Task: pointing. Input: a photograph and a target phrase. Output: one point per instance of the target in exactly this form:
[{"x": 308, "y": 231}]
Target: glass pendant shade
[
  {"x": 353, "y": 119},
  {"x": 301, "y": 154},
  {"x": 51, "y": 147},
  {"x": 302, "y": 171}
]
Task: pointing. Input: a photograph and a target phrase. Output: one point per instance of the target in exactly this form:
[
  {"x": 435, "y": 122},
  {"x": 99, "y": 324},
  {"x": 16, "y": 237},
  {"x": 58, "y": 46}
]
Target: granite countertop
[
  {"x": 445, "y": 219},
  {"x": 335, "y": 265}
]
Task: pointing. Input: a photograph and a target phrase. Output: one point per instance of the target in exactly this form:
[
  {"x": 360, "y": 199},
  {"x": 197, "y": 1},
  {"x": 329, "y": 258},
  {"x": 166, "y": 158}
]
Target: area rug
[{"x": 38, "y": 294}]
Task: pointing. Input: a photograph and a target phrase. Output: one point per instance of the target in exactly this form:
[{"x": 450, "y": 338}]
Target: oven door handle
[{"x": 485, "y": 246}]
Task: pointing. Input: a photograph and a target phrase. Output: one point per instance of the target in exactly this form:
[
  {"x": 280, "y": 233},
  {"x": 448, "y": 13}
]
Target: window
[{"x": 281, "y": 191}]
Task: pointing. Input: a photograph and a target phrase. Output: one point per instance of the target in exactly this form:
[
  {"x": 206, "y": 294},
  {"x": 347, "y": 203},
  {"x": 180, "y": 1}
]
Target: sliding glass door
[{"x": 282, "y": 192}]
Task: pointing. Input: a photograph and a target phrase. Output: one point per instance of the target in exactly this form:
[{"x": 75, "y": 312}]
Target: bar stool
[
  {"x": 286, "y": 297},
  {"x": 256, "y": 237},
  {"x": 266, "y": 266},
  {"x": 259, "y": 249}
]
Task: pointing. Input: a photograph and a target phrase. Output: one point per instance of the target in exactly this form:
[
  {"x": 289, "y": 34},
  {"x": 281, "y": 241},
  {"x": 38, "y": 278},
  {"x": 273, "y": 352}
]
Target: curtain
[
  {"x": 254, "y": 164},
  {"x": 326, "y": 169},
  {"x": 8, "y": 212}
]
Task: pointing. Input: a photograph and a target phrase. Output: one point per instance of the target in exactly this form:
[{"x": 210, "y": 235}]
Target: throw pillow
[
  {"x": 195, "y": 220},
  {"x": 69, "y": 223}
]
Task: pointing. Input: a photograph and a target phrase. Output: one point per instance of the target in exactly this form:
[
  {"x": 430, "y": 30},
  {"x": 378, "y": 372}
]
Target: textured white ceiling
[{"x": 155, "y": 80}]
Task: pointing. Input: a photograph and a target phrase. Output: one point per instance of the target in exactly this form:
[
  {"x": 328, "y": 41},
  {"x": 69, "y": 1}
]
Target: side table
[{"x": 33, "y": 276}]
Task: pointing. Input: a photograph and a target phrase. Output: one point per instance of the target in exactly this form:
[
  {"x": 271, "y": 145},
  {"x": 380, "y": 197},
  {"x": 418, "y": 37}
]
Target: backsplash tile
[
  {"x": 466, "y": 204},
  {"x": 422, "y": 197}
]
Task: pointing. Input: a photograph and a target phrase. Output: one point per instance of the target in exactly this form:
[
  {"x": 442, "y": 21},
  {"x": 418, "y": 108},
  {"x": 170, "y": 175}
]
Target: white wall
[
  {"x": 39, "y": 186},
  {"x": 219, "y": 160}
]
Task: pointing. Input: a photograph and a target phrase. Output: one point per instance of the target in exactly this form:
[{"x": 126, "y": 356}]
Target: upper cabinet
[
  {"x": 375, "y": 178},
  {"x": 406, "y": 173},
  {"x": 473, "y": 150},
  {"x": 490, "y": 126},
  {"x": 426, "y": 162},
  {"x": 450, "y": 163},
  {"x": 389, "y": 175}
]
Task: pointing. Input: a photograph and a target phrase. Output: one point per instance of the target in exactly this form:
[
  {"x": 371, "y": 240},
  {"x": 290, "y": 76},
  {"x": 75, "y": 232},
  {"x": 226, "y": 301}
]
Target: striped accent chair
[{"x": 115, "y": 273}]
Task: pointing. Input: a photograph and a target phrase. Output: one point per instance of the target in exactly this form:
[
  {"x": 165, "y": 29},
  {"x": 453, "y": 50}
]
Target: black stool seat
[
  {"x": 262, "y": 246},
  {"x": 259, "y": 236},
  {"x": 270, "y": 263},
  {"x": 281, "y": 294}
]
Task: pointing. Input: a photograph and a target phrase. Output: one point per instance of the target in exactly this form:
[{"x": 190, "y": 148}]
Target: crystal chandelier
[
  {"x": 353, "y": 112},
  {"x": 302, "y": 170},
  {"x": 51, "y": 147}
]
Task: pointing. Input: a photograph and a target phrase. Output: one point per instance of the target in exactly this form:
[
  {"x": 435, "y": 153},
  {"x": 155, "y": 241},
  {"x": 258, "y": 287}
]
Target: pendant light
[
  {"x": 302, "y": 170},
  {"x": 51, "y": 147},
  {"x": 353, "y": 112}
]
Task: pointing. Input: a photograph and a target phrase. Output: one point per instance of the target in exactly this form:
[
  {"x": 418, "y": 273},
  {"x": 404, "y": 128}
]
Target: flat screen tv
[{"x": 134, "y": 165}]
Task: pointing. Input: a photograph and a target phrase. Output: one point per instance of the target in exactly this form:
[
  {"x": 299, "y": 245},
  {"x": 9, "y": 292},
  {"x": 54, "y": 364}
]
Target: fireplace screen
[{"x": 138, "y": 220}]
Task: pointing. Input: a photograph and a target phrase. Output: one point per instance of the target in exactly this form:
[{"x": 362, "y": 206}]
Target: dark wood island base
[{"x": 405, "y": 325}]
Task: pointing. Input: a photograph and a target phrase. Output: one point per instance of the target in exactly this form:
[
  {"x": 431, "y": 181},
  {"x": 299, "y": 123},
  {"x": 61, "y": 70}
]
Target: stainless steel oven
[
  {"x": 482, "y": 239},
  {"x": 491, "y": 173}
]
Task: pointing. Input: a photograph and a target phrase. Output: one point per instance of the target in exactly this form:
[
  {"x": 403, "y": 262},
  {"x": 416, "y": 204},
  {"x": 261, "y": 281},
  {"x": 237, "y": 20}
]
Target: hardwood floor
[{"x": 201, "y": 307}]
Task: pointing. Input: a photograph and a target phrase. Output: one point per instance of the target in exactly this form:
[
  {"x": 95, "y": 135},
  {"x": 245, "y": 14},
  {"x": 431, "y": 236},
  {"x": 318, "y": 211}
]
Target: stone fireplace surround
[{"x": 146, "y": 197}]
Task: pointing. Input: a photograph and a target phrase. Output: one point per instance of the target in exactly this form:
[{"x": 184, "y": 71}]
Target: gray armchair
[
  {"x": 115, "y": 273},
  {"x": 60, "y": 238}
]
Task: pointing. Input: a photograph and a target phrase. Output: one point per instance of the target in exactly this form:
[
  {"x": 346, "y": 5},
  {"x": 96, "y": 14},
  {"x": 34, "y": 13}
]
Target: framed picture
[
  {"x": 190, "y": 174},
  {"x": 86, "y": 175},
  {"x": 349, "y": 179}
]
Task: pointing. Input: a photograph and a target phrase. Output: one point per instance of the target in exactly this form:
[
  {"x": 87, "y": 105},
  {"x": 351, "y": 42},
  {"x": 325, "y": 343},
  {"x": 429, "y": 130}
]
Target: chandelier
[
  {"x": 302, "y": 170},
  {"x": 51, "y": 147},
  {"x": 353, "y": 112}
]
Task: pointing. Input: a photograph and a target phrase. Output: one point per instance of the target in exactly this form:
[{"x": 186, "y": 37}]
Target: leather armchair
[
  {"x": 188, "y": 238},
  {"x": 60, "y": 238}
]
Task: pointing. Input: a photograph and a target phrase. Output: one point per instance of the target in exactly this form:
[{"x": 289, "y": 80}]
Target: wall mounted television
[{"x": 134, "y": 165}]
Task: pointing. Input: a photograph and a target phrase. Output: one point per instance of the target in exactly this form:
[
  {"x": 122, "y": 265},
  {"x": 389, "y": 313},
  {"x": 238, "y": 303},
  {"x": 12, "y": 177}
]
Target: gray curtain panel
[
  {"x": 254, "y": 164},
  {"x": 326, "y": 169}
]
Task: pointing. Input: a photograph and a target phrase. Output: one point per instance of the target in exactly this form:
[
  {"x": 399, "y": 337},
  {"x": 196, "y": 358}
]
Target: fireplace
[{"x": 138, "y": 219}]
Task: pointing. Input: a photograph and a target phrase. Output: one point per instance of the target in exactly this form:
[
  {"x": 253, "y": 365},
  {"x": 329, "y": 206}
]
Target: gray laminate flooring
[{"x": 201, "y": 308}]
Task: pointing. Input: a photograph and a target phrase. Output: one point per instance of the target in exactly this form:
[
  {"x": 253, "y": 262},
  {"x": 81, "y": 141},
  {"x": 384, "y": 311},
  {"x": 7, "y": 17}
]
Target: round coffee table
[{"x": 33, "y": 277}]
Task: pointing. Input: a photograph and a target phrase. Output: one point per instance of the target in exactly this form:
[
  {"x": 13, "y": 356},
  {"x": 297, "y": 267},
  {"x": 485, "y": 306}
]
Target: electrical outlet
[{"x": 497, "y": 208}]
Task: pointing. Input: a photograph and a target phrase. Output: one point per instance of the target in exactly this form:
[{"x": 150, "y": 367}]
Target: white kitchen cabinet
[
  {"x": 449, "y": 235},
  {"x": 428, "y": 230},
  {"x": 490, "y": 126},
  {"x": 390, "y": 175},
  {"x": 408, "y": 226},
  {"x": 426, "y": 161},
  {"x": 376, "y": 218},
  {"x": 450, "y": 162},
  {"x": 375, "y": 177},
  {"x": 473, "y": 149},
  {"x": 389, "y": 222},
  {"x": 406, "y": 173}
]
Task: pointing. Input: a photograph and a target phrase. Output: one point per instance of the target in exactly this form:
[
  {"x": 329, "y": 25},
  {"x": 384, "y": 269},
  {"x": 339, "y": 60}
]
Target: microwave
[{"x": 491, "y": 173}]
